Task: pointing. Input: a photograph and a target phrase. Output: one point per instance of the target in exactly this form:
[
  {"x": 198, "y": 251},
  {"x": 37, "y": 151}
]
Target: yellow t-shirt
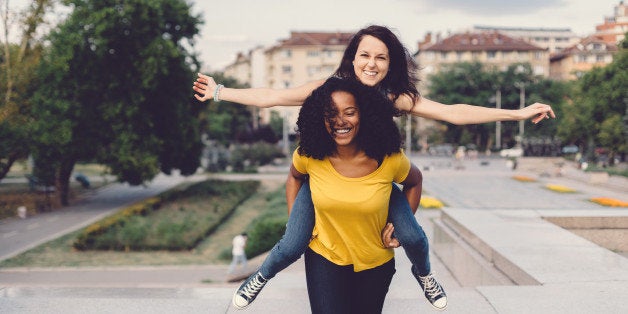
[{"x": 351, "y": 212}]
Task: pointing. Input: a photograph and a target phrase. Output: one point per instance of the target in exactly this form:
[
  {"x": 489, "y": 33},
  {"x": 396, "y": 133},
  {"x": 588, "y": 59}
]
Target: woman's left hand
[
  {"x": 387, "y": 237},
  {"x": 537, "y": 112}
]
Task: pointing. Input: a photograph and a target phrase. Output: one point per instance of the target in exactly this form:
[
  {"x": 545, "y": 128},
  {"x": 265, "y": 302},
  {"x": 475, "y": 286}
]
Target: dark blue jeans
[
  {"x": 339, "y": 289},
  {"x": 301, "y": 222}
]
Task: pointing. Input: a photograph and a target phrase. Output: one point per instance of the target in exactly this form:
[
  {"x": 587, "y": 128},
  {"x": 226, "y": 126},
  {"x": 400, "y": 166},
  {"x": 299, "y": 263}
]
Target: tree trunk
[{"x": 62, "y": 183}]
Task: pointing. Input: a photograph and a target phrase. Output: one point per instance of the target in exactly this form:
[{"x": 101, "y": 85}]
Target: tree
[
  {"x": 115, "y": 89},
  {"x": 598, "y": 113},
  {"x": 474, "y": 83},
  {"x": 225, "y": 121},
  {"x": 464, "y": 83},
  {"x": 18, "y": 62}
]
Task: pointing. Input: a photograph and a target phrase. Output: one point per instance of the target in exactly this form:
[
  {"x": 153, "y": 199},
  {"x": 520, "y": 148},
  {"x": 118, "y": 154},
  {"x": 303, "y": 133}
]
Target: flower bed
[
  {"x": 559, "y": 188},
  {"x": 524, "y": 179},
  {"x": 430, "y": 202},
  {"x": 174, "y": 220},
  {"x": 607, "y": 201}
]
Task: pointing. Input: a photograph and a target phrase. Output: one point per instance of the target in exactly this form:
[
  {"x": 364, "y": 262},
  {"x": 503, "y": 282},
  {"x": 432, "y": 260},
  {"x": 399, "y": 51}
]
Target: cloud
[{"x": 491, "y": 7}]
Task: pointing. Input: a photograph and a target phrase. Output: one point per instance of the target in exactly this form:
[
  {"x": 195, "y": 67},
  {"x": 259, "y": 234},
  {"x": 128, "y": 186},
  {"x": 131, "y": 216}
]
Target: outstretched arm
[
  {"x": 467, "y": 114},
  {"x": 205, "y": 87}
]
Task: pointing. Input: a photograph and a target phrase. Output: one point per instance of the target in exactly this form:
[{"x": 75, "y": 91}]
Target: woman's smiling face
[
  {"x": 344, "y": 124},
  {"x": 371, "y": 61}
]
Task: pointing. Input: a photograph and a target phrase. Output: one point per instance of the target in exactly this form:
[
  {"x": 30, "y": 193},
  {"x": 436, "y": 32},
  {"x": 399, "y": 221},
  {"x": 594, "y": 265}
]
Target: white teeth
[
  {"x": 371, "y": 73},
  {"x": 342, "y": 131}
]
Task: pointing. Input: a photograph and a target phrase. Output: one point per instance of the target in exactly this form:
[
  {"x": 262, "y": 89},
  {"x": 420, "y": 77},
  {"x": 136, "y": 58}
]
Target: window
[
  {"x": 312, "y": 53},
  {"x": 286, "y": 53},
  {"x": 538, "y": 55},
  {"x": 599, "y": 58},
  {"x": 313, "y": 69},
  {"x": 459, "y": 55},
  {"x": 523, "y": 55},
  {"x": 443, "y": 55},
  {"x": 286, "y": 69},
  {"x": 491, "y": 55}
]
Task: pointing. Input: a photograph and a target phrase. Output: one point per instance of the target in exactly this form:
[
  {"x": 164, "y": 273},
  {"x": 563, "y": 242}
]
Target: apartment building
[
  {"x": 554, "y": 39},
  {"x": 240, "y": 69},
  {"x": 491, "y": 48},
  {"x": 304, "y": 57},
  {"x": 250, "y": 69},
  {"x": 574, "y": 61},
  {"x": 614, "y": 27},
  {"x": 301, "y": 58}
]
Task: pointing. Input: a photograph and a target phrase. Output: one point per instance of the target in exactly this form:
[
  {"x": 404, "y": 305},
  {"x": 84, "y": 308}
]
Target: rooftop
[{"x": 480, "y": 42}]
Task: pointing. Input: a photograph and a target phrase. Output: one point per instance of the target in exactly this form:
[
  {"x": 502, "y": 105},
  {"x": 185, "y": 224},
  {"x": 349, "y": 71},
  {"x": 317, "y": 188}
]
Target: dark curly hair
[
  {"x": 402, "y": 73},
  {"x": 378, "y": 135}
]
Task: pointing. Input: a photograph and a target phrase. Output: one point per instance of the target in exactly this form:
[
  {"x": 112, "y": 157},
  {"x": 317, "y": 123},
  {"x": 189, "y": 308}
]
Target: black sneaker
[
  {"x": 433, "y": 290},
  {"x": 248, "y": 291}
]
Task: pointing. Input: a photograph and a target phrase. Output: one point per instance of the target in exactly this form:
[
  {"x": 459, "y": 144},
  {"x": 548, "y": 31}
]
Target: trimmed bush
[{"x": 265, "y": 231}]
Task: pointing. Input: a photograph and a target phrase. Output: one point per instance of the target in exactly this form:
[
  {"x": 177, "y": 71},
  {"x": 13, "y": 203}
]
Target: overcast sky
[
  {"x": 233, "y": 26},
  {"x": 239, "y": 25}
]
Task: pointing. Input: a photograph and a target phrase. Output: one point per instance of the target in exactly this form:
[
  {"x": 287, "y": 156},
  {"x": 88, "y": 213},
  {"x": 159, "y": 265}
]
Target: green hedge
[
  {"x": 175, "y": 220},
  {"x": 267, "y": 229}
]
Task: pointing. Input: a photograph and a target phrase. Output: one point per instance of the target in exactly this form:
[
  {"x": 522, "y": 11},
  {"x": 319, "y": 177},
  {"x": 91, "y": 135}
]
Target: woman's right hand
[
  {"x": 387, "y": 237},
  {"x": 204, "y": 87}
]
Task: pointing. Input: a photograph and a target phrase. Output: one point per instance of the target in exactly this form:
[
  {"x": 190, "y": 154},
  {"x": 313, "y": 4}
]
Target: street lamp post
[
  {"x": 522, "y": 102},
  {"x": 498, "y": 125}
]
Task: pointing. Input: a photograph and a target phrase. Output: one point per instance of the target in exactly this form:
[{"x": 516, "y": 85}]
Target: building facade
[
  {"x": 554, "y": 39},
  {"x": 493, "y": 49},
  {"x": 574, "y": 61},
  {"x": 614, "y": 27},
  {"x": 302, "y": 58}
]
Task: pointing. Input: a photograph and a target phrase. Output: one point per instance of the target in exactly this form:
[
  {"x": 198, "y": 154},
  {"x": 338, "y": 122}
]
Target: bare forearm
[
  {"x": 468, "y": 114},
  {"x": 412, "y": 187},
  {"x": 259, "y": 97},
  {"x": 413, "y": 194},
  {"x": 460, "y": 114},
  {"x": 206, "y": 88},
  {"x": 293, "y": 185}
]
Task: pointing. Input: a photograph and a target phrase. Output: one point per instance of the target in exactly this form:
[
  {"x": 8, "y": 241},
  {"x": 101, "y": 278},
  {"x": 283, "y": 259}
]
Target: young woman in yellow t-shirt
[{"x": 350, "y": 151}]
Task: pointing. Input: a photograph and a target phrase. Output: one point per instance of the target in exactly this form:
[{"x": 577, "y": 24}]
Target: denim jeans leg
[
  {"x": 408, "y": 231},
  {"x": 296, "y": 238}
]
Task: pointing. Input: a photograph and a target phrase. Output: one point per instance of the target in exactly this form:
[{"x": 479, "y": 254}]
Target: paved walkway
[{"x": 500, "y": 217}]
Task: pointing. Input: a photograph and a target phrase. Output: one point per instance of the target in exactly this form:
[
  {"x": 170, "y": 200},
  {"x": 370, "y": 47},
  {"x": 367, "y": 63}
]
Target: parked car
[
  {"x": 512, "y": 152},
  {"x": 441, "y": 150},
  {"x": 570, "y": 149}
]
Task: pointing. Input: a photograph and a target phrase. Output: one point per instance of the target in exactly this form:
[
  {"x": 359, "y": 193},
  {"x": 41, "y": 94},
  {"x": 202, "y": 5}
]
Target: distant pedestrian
[{"x": 239, "y": 256}]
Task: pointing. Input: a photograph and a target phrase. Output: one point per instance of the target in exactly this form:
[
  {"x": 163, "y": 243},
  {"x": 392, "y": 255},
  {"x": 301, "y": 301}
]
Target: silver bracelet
[{"x": 217, "y": 92}]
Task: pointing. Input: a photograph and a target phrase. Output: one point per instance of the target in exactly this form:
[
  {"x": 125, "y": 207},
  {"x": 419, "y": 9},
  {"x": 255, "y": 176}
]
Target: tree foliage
[
  {"x": 474, "y": 83},
  {"x": 599, "y": 114},
  {"x": 18, "y": 62},
  {"x": 225, "y": 121},
  {"x": 115, "y": 88}
]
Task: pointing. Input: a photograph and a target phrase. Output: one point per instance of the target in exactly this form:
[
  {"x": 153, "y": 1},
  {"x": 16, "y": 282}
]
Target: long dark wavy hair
[
  {"x": 378, "y": 134},
  {"x": 402, "y": 73}
]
